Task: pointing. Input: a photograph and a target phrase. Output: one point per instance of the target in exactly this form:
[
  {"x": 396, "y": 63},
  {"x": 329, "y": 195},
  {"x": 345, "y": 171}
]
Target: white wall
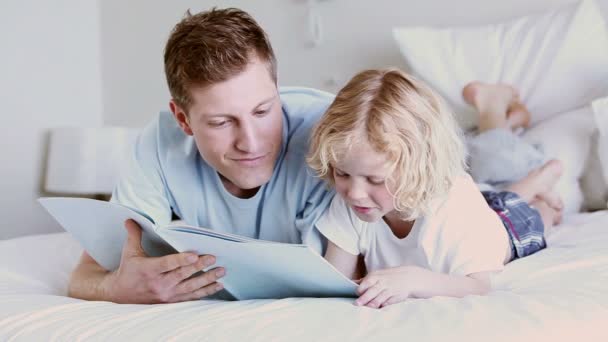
[
  {"x": 49, "y": 76},
  {"x": 357, "y": 35},
  {"x": 87, "y": 62}
]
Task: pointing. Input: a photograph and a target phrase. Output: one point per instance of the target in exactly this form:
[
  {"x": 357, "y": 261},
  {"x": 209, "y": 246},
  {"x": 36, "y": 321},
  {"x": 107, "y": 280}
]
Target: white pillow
[
  {"x": 594, "y": 181},
  {"x": 600, "y": 114},
  {"x": 558, "y": 60},
  {"x": 593, "y": 184}
]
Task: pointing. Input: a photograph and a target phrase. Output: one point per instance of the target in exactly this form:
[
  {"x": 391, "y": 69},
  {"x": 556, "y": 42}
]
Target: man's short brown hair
[{"x": 211, "y": 47}]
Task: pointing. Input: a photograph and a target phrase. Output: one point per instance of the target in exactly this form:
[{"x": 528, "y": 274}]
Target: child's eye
[
  {"x": 375, "y": 181},
  {"x": 339, "y": 173}
]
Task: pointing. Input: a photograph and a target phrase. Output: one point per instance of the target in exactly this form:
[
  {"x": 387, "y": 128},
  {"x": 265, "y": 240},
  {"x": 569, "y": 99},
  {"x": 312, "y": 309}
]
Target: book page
[
  {"x": 99, "y": 227},
  {"x": 256, "y": 270},
  {"x": 213, "y": 233}
]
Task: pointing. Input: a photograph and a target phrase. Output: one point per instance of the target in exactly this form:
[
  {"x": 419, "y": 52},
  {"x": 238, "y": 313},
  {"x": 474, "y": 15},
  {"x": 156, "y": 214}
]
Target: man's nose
[{"x": 247, "y": 138}]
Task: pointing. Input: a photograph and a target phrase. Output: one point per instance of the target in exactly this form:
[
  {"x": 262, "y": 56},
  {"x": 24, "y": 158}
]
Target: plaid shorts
[{"x": 522, "y": 222}]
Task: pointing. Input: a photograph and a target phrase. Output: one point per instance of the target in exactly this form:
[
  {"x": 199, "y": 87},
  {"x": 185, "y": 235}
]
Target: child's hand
[{"x": 389, "y": 286}]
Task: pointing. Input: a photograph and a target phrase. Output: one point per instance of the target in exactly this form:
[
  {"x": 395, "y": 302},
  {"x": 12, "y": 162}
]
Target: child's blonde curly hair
[{"x": 403, "y": 118}]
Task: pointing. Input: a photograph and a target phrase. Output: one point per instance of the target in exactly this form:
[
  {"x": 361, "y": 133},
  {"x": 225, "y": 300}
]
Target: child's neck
[{"x": 398, "y": 226}]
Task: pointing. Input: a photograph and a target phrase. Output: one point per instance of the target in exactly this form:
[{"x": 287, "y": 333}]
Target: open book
[{"x": 254, "y": 268}]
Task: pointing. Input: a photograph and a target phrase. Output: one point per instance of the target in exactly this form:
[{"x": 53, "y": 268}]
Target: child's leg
[
  {"x": 539, "y": 183},
  {"x": 549, "y": 215},
  {"x": 524, "y": 223},
  {"x": 552, "y": 199},
  {"x": 497, "y": 104}
]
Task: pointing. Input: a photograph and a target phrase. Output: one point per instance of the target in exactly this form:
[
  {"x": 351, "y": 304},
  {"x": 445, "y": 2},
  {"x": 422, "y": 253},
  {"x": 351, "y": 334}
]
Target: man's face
[{"x": 237, "y": 126}]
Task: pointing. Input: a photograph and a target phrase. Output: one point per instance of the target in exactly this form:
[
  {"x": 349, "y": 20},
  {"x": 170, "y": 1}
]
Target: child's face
[{"x": 360, "y": 179}]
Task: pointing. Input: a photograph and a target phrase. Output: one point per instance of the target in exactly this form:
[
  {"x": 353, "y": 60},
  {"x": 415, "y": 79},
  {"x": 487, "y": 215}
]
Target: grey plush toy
[{"x": 499, "y": 157}]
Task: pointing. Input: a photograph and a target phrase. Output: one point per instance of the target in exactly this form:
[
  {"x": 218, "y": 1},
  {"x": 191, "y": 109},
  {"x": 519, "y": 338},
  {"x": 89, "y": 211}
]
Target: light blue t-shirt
[{"x": 168, "y": 174}]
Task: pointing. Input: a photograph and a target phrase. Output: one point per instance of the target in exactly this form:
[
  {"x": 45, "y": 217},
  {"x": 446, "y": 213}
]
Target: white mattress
[{"x": 559, "y": 294}]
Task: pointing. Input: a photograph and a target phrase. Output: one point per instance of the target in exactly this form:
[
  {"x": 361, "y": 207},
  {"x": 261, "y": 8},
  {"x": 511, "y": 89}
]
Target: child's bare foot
[
  {"x": 518, "y": 115},
  {"x": 552, "y": 198},
  {"x": 538, "y": 182},
  {"x": 550, "y": 216},
  {"x": 492, "y": 101},
  {"x": 557, "y": 219}
]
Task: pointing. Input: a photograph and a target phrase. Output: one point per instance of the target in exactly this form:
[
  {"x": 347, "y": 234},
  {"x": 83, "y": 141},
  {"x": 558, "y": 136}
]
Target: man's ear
[{"x": 181, "y": 117}]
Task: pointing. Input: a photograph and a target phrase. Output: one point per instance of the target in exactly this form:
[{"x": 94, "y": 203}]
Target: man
[{"x": 230, "y": 157}]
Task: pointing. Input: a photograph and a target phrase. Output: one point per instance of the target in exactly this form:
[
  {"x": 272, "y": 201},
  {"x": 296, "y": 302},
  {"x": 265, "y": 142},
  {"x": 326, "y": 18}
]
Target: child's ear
[{"x": 181, "y": 117}]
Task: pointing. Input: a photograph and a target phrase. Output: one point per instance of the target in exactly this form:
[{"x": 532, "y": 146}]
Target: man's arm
[
  {"x": 139, "y": 278},
  {"x": 145, "y": 280},
  {"x": 88, "y": 280}
]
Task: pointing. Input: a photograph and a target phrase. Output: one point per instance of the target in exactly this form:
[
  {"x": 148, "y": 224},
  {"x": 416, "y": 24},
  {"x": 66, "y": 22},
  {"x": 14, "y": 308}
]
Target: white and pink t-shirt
[{"x": 463, "y": 235}]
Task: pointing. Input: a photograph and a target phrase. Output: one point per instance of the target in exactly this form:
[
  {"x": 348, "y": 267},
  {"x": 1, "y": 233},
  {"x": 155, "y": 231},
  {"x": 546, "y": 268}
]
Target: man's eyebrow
[
  {"x": 205, "y": 116},
  {"x": 270, "y": 99},
  {"x": 209, "y": 115}
]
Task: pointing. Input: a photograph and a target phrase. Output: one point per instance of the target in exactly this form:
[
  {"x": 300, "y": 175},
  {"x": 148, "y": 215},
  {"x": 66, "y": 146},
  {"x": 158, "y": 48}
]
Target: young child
[{"x": 405, "y": 203}]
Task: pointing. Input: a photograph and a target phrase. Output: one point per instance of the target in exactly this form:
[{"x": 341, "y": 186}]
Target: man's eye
[
  {"x": 261, "y": 112},
  {"x": 219, "y": 123}
]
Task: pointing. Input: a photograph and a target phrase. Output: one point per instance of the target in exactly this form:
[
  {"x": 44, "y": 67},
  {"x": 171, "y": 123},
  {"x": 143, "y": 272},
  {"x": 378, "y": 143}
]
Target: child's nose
[{"x": 356, "y": 192}]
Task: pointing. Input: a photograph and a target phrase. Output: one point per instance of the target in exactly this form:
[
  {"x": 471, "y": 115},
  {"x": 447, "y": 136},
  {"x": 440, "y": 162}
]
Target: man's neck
[{"x": 236, "y": 191}]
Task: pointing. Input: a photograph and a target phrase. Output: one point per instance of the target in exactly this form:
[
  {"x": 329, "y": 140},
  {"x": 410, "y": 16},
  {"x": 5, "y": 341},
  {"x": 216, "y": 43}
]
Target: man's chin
[{"x": 252, "y": 182}]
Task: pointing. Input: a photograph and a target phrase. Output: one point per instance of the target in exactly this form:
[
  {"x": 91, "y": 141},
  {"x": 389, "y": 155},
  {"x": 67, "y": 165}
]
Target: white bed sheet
[{"x": 559, "y": 294}]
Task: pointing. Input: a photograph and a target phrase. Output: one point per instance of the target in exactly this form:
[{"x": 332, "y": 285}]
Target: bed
[{"x": 559, "y": 294}]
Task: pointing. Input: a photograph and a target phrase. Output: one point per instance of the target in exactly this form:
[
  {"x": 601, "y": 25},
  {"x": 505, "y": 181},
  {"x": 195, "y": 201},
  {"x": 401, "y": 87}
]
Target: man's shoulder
[
  {"x": 161, "y": 137},
  {"x": 302, "y": 107},
  {"x": 306, "y": 104},
  {"x": 305, "y": 94}
]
